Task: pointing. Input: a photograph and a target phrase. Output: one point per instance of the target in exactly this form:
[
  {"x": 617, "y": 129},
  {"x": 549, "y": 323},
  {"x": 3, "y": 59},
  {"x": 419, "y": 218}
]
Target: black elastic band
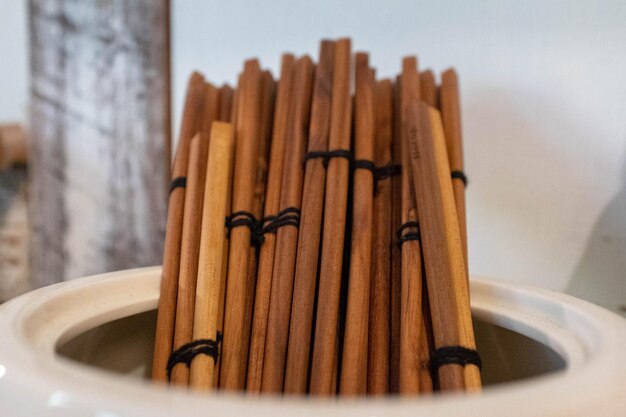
[
  {"x": 247, "y": 219},
  {"x": 411, "y": 234},
  {"x": 387, "y": 171},
  {"x": 364, "y": 164},
  {"x": 178, "y": 182},
  {"x": 459, "y": 175},
  {"x": 287, "y": 217},
  {"x": 380, "y": 173},
  {"x": 327, "y": 155},
  {"x": 187, "y": 352},
  {"x": 457, "y": 355}
]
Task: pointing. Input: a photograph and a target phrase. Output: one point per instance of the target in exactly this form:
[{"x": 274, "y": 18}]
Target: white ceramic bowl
[{"x": 105, "y": 322}]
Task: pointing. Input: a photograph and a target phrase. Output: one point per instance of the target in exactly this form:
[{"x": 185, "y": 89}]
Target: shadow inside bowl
[{"x": 124, "y": 346}]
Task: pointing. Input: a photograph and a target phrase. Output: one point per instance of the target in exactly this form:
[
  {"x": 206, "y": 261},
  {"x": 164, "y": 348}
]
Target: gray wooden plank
[{"x": 100, "y": 135}]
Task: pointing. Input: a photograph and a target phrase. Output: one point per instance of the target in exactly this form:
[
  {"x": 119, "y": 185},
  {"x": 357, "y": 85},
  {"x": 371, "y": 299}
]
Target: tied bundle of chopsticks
[{"x": 316, "y": 240}]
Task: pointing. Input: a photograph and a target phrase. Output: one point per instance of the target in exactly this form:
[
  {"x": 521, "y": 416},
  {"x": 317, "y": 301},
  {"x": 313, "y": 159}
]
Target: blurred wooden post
[{"x": 100, "y": 135}]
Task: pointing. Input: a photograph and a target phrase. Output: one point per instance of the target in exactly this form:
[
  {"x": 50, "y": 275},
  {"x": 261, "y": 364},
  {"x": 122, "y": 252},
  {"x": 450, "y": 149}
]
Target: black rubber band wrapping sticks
[
  {"x": 178, "y": 182},
  {"x": 188, "y": 351},
  {"x": 269, "y": 224},
  {"x": 287, "y": 217},
  {"x": 413, "y": 234},
  {"x": 457, "y": 355},
  {"x": 380, "y": 173},
  {"x": 459, "y": 175},
  {"x": 247, "y": 219}
]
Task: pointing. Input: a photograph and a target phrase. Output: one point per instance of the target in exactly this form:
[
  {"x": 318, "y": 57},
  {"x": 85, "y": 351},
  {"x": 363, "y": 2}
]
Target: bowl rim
[{"x": 588, "y": 337}]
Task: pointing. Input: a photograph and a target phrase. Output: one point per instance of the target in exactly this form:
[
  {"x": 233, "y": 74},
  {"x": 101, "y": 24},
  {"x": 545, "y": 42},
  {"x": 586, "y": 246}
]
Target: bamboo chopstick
[
  {"x": 173, "y": 232},
  {"x": 226, "y": 113},
  {"x": 336, "y": 198},
  {"x": 211, "y": 276},
  {"x": 443, "y": 250},
  {"x": 396, "y": 253},
  {"x": 232, "y": 370},
  {"x": 354, "y": 361},
  {"x": 450, "y": 108},
  {"x": 380, "y": 287},
  {"x": 429, "y": 88},
  {"x": 287, "y": 236},
  {"x": 265, "y": 121},
  {"x": 272, "y": 201},
  {"x": 305, "y": 276},
  {"x": 194, "y": 196},
  {"x": 411, "y": 285},
  {"x": 471, "y": 371}
]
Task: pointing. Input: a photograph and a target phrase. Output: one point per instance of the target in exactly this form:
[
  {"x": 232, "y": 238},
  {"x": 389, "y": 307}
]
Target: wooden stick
[
  {"x": 471, "y": 372},
  {"x": 324, "y": 347},
  {"x": 305, "y": 277},
  {"x": 272, "y": 201},
  {"x": 451, "y": 114},
  {"x": 378, "y": 340},
  {"x": 287, "y": 236},
  {"x": 227, "y": 114},
  {"x": 265, "y": 124},
  {"x": 212, "y": 249},
  {"x": 430, "y": 96},
  {"x": 411, "y": 286},
  {"x": 427, "y": 344},
  {"x": 354, "y": 363},
  {"x": 173, "y": 232},
  {"x": 429, "y": 88},
  {"x": 190, "y": 247},
  {"x": 443, "y": 250},
  {"x": 244, "y": 181},
  {"x": 227, "y": 97},
  {"x": 396, "y": 253}
]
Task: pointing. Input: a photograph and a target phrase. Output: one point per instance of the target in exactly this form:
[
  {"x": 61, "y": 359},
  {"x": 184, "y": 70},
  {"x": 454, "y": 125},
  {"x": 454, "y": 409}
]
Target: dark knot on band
[
  {"x": 287, "y": 217},
  {"x": 408, "y": 231},
  {"x": 387, "y": 171},
  {"x": 247, "y": 219},
  {"x": 457, "y": 355},
  {"x": 187, "y": 352},
  {"x": 178, "y": 182},
  {"x": 459, "y": 175}
]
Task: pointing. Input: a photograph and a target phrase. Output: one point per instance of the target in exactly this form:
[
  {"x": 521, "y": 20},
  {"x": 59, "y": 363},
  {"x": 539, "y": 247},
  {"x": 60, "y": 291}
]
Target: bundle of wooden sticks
[{"x": 316, "y": 240}]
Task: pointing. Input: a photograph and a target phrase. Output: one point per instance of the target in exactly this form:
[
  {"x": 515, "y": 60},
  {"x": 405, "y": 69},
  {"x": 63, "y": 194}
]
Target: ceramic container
[{"x": 83, "y": 348}]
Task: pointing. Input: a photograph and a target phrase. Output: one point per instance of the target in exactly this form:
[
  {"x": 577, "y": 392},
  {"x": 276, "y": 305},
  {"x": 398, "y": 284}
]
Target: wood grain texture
[
  {"x": 272, "y": 202},
  {"x": 287, "y": 236},
  {"x": 411, "y": 282},
  {"x": 99, "y": 136},
  {"x": 428, "y": 88},
  {"x": 450, "y": 108},
  {"x": 443, "y": 250},
  {"x": 305, "y": 276},
  {"x": 211, "y": 274},
  {"x": 232, "y": 371},
  {"x": 396, "y": 253},
  {"x": 335, "y": 205},
  {"x": 173, "y": 233},
  {"x": 226, "y": 114},
  {"x": 354, "y": 359},
  {"x": 192, "y": 220},
  {"x": 380, "y": 288},
  {"x": 266, "y": 113}
]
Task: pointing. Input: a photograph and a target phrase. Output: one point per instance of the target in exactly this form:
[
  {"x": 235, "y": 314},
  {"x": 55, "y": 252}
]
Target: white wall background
[
  {"x": 13, "y": 61},
  {"x": 544, "y": 109}
]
